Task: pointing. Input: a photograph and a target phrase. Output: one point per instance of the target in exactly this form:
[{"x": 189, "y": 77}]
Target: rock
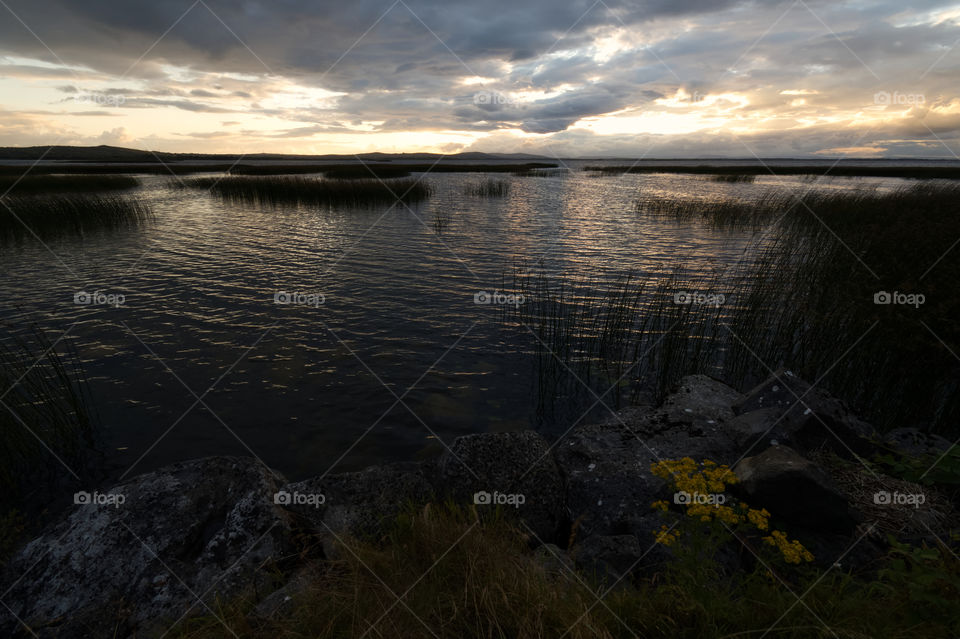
[
  {"x": 192, "y": 530},
  {"x": 515, "y": 469},
  {"x": 916, "y": 443},
  {"x": 794, "y": 489},
  {"x": 610, "y": 559},
  {"x": 606, "y": 467},
  {"x": 357, "y": 503},
  {"x": 700, "y": 398},
  {"x": 801, "y": 416}
]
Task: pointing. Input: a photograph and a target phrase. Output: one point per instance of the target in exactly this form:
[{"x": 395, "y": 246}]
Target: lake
[{"x": 389, "y": 310}]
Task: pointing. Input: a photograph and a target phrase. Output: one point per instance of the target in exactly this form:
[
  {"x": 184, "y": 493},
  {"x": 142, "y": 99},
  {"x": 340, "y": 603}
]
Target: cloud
[{"x": 781, "y": 75}]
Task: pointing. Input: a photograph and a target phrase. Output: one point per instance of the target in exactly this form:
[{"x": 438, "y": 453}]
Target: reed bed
[
  {"x": 838, "y": 170},
  {"x": 48, "y": 411},
  {"x": 381, "y": 169},
  {"x": 803, "y": 298},
  {"x": 488, "y": 188},
  {"x": 43, "y": 184},
  {"x": 734, "y": 177},
  {"x": 297, "y": 191},
  {"x": 541, "y": 172},
  {"x": 51, "y": 216}
]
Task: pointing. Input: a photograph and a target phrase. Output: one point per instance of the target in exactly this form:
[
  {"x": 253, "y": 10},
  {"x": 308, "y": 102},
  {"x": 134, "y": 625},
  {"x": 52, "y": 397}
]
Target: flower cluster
[
  {"x": 793, "y": 551},
  {"x": 708, "y": 481}
]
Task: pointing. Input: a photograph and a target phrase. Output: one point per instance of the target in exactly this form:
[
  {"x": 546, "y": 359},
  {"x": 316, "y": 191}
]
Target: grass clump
[
  {"x": 488, "y": 188},
  {"x": 44, "y": 410},
  {"x": 297, "y": 191},
  {"x": 459, "y": 576},
  {"x": 51, "y": 216},
  {"x": 43, "y": 184}
]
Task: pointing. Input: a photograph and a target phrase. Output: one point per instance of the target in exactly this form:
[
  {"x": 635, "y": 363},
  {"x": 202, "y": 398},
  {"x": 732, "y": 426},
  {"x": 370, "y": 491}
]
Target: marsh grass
[
  {"x": 43, "y": 184},
  {"x": 541, "y": 172},
  {"x": 488, "y": 188},
  {"x": 358, "y": 170},
  {"x": 734, "y": 177},
  {"x": 461, "y": 576},
  {"x": 50, "y": 216},
  {"x": 296, "y": 191},
  {"x": 803, "y": 298},
  {"x": 838, "y": 170}
]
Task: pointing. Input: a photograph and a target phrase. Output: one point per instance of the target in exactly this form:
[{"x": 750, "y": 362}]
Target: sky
[{"x": 579, "y": 78}]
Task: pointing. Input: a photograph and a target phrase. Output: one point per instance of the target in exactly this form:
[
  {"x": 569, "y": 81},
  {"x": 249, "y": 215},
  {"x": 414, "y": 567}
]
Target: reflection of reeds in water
[
  {"x": 22, "y": 217},
  {"x": 804, "y": 299},
  {"x": 440, "y": 222},
  {"x": 488, "y": 188},
  {"x": 274, "y": 191},
  {"x": 43, "y": 184}
]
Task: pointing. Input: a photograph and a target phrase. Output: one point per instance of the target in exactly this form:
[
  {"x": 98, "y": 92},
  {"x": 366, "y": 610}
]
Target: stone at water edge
[
  {"x": 803, "y": 417},
  {"x": 206, "y": 526},
  {"x": 606, "y": 467},
  {"x": 506, "y": 466},
  {"x": 794, "y": 489}
]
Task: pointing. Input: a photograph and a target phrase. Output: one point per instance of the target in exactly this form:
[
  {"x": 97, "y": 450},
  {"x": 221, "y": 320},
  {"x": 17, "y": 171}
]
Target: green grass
[
  {"x": 43, "y": 184},
  {"x": 50, "y": 216},
  {"x": 463, "y": 577},
  {"x": 281, "y": 190},
  {"x": 488, "y": 188}
]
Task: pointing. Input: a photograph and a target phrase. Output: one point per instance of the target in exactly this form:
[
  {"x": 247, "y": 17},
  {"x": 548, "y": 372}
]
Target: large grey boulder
[
  {"x": 182, "y": 535},
  {"x": 794, "y": 489},
  {"x": 513, "y": 470},
  {"x": 606, "y": 467},
  {"x": 787, "y": 410}
]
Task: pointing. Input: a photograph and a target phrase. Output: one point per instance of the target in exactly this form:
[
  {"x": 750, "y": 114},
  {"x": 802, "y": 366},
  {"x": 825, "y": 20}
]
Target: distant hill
[{"x": 105, "y": 153}]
